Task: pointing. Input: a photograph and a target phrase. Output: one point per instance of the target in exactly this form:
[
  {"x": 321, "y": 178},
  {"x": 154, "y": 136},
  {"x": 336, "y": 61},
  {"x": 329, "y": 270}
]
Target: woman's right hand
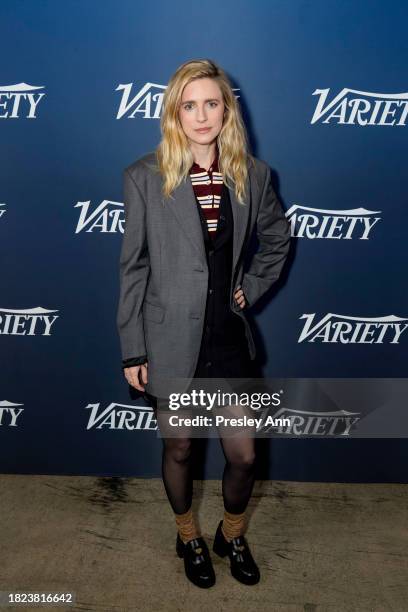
[{"x": 136, "y": 373}]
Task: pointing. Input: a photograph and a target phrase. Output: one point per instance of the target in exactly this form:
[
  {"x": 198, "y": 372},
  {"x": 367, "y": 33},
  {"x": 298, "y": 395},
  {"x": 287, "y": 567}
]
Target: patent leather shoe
[
  {"x": 197, "y": 561},
  {"x": 242, "y": 564}
]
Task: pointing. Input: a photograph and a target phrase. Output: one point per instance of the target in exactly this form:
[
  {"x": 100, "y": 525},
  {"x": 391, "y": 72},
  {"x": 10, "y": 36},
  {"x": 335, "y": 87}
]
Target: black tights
[{"x": 237, "y": 481}]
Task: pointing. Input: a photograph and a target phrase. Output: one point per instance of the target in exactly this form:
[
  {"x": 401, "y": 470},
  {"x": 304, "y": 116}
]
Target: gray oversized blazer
[{"x": 164, "y": 273}]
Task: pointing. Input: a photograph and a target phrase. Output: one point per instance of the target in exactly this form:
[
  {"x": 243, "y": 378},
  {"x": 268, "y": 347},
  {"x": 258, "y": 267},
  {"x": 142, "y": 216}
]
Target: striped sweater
[{"x": 207, "y": 185}]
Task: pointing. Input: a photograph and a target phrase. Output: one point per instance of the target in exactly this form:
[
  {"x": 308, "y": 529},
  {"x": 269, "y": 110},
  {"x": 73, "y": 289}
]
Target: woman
[{"x": 190, "y": 209}]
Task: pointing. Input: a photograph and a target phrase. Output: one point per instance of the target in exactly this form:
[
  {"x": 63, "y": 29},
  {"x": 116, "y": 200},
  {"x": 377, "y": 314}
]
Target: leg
[
  {"x": 177, "y": 474},
  {"x": 237, "y": 483},
  {"x": 239, "y": 472}
]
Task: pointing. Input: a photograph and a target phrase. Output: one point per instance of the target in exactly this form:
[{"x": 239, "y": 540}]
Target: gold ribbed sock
[
  {"x": 186, "y": 526},
  {"x": 233, "y": 525}
]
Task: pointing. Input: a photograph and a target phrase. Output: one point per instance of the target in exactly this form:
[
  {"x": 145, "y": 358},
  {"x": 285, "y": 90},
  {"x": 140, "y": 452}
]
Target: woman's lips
[{"x": 203, "y": 130}]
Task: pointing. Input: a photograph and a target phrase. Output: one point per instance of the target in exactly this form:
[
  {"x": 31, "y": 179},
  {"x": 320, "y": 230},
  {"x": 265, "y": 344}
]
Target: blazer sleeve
[
  {"x": 273, "y": 232},
  {"x": 134, "y": 269},
  {"x": 133, "y": 361}
]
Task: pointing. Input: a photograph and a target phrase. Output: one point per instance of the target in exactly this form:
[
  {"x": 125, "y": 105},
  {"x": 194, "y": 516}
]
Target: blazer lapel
[
  {"x": 240, "y": 212},
  {"x": 183, "y": 205},
  {"x": 184, "y": 208}
]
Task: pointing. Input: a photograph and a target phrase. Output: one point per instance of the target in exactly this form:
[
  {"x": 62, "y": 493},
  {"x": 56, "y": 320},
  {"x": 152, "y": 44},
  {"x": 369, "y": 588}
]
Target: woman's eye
[{"x": 190, "y": 106}]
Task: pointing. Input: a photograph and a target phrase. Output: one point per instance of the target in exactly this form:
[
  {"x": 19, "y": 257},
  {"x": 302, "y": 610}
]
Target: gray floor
[{"x": 334, "y": 547}]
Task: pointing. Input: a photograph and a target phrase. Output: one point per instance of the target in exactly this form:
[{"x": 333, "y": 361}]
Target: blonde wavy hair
[{"x": 174, "y": 157}]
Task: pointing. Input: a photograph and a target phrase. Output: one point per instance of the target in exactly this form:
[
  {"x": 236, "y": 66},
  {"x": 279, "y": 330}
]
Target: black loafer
[
  {"x": 242, "y": 564},
  {"x": 197, "y": 561}
]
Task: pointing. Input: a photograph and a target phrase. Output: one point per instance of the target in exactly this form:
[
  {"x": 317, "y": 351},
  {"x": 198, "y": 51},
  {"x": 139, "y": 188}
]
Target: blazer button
[
  {"x": 210, "y": 291},
  {"x": 208, "y": 364}
]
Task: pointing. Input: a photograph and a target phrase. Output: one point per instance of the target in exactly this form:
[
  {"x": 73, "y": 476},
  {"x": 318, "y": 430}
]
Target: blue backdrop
[{"x": 323, "y": 90}]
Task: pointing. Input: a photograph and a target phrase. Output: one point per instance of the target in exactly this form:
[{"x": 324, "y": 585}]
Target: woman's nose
[{"x": 201, "y": 115}]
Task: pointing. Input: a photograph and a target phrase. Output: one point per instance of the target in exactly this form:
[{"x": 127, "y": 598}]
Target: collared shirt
[{"x": 207, "y": 186}]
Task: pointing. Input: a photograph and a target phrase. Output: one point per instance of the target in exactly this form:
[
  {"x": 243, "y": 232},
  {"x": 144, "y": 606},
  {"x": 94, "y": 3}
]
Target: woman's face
[{"x": 202, "y": 106}]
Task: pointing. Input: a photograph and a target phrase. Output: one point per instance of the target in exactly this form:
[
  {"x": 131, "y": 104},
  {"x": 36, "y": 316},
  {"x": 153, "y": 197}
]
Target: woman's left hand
[{"x": 240, "y": 297}]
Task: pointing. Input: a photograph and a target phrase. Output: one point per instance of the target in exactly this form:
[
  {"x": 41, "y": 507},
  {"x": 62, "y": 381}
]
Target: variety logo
[
  {"x": 147, "y": 102},
  {"x": 9, "y": 413},
  {"x": 26, "y": 322},
  {"x": 325, "y": 223},
  {"x": 108, "y": 217},
  {"x": 354, "y": 107},
  {"x": 19, "y": 98},
  {"x": 343, "y": 329},
  {"x": 313, "y": 423},
  {"x": 2, "y": 210},
  {"x": 121, "y": 416}
]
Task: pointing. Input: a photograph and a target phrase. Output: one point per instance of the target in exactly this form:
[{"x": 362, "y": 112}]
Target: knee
[
  {"x": 244, "y": 461},
  {"x": 179, "y": 450}
]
